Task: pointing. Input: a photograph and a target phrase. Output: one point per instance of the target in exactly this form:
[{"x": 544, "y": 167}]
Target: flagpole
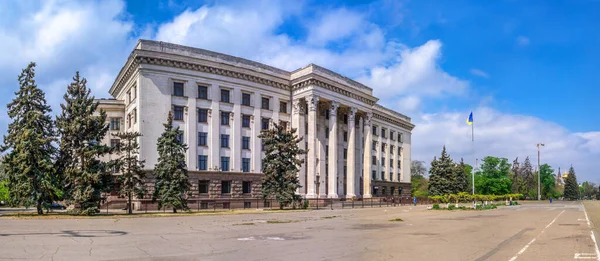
[{"x": 474, "y": 159}]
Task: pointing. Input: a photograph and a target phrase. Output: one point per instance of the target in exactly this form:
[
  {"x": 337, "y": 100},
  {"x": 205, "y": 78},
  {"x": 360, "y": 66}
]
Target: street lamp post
[{"x": 539, "y": 172}]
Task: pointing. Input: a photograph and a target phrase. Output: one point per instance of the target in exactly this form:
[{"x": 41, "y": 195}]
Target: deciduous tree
[{"x": 493, "y": 178}]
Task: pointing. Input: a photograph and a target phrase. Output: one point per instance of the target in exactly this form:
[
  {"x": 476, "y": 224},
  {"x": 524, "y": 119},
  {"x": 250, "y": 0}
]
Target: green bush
[
  {"x": 515, "y": 203},
  {"x": 436, "y": 206},
  {"x": 451, "y": 207}
]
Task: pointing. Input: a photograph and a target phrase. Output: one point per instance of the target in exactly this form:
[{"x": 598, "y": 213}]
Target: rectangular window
[
  {"x": 203, "y": 186},
  {"x": 264, "y": 103},
  {"x": 383, "y": 162},
  {"x": 382, "y": 147},
  {"x": 399, "y": 150},
  {"x": 202, "y": 92},
  {"x": 178, "y": 88},
  {"x": 283, "y": 107},
  {"x": 226, "y": 186},
  {"x": 224, "y": 141},
  {"x": 382, "y": 175},
  {"x": 374, "y": 160},
  {"x": 114, "y": 143},
  {"x": 246, "y": 187},
  {"x": 245, "y": 121},
  {"x": 327, "y": 115},
  {"x": 345, "y": 119},
  {"x": 374, "y": 145},
  {"x": 391, "y": 162},
  {"x": 115, "y": 124},
  {"x": 327, "y": 133},
  {"x": 400, "y": 137},
  {"x": 178, "y": 115},
  {"x": 245, "y": 164},
  {"x": 245, "y": 142},
  {"x": 179, "y": 136},
  {"x": 326, "y": 150},
  {"x": 129, "y": 99},
  {"x": 224, "y": 118},
  {"x": 246, "y": 99},
  {"x": 383, "y": 133},
  {"x": 203, "y": 115},
  {"x": 129, "y": 120},
  {"x": 374, "y": 130},
  {"x": 265, "y": 123},
  {"x": 134, "y": 92},
  {"x": 224, "y": 95},
  {"x": 345, "y": 136},
  {"x": 392, "y": 135},
  {"x": 134, "y": 113},
  {"x": 345, "y": 153},
  {"x": 374, "y": 174},
  {"x": 224, "y": 163},
  {"x": 202, "y": 137},
  {"x": 202, "y": 162}
]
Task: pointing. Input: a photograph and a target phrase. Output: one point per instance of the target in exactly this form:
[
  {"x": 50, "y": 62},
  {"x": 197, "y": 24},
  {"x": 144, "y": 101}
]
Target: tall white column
[
  {"x": 333, "y": 150},
  {"x": 192, "y": 134},
  {"x": 387, "y": 157},
  {"x": 298, "y": 124},
  {"x": 367, "y": 157},
  {"x": 313, "y": 103},
  {"x": 214, "y": 135},
  {"x": 351, "y": 175},
  {"x": 360, "y": 161},
  {"x": 396, "y": 157}
]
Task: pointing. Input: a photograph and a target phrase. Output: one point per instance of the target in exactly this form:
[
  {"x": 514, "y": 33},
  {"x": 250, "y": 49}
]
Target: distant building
[{"x": 356, "y": 147}]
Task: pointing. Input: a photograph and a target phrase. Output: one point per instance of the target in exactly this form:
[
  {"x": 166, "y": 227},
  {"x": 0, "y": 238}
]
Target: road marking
[
  {"x": 592, "y": 234},
  {"x": 584, "y": 256},
  {"x": 533, "y": 240},
  {"x": 246, "y": 239}
]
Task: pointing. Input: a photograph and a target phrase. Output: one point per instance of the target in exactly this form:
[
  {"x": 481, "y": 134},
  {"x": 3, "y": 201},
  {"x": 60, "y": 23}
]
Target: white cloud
[
  {"x": 335, "y": 25},
  {"x": 479, "y": 73},
  {"x": 522, "y": 40}
]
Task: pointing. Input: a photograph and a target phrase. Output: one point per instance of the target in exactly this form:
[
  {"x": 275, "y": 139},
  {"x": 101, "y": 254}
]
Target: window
[
  {"x": 129, "y": 120},
  {"x": 202, "y": 115},
  {"x": 224, "y": 118},
  {"x": 245, "y": 164},
  {"x": 246, "y": 187},
  {"x": 326, "y": 171},
  {"x": 245, "y": 143},
  {"x": 203, "y": 186},
  {"x": 392, "y": 135},
  {"x": 283, "y": 107},
  {"x": 327, "y": 115},
  {"x": 114, "y": 143},
  {"x": 391, "y": 162},
  {"x": 225, "y": 186},
  {"x": 202, "y": 136},
  {"x": 345, "y": 153},
  {"x": 134, "y": 92},
  {"x": 382, "y": 147},
  {"x": 374, "y": 130},
  {"x": 374, "y": 160},
  {"x": 265, "y": 123},
  {"x": 400, "y": 137},
  {"x": 345, "y": 119},
  {"x": 129, "y": 99},
  {"x": 327, "y": 133},
  {"x": 399, "y": 151},
  {"x": 383, "y": 162},
  {"x": 374, "y": 174},
  {"x": 246, "y": 99},
  {"x": 264, "y": 103},
  {"x": 399, "y": 164},
  {"x": 202, "y": 92},
  {"x": 283, "y": 124},
  {"x": 374, "y": 145},
  {"x": 178, "y": 113},
  {"x": 326, "y": 150},
  {"x": 382, "y": 175},
  {"x": 345, "y": 136},
  {"x": 115, "y": 124},
  {"x": 224, "y": 141},
  {"x": 179, "y": 136},
  {"x": 383, "y": 133},
  {"x": 178, "y": 88},
  {"x": 134, "y": 115},
  {"x": 224, "y": 163},
  {"x": 224, "y": 95},
  {"x": 245, "y": 121},
  {"x": 203, "y": 163}
]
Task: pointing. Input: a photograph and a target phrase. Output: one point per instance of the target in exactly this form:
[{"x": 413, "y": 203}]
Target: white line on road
[
  {"x": 584, "y": 256},
  {"x": 592, "y": 233},
  {"x": 533, "y": 240}
]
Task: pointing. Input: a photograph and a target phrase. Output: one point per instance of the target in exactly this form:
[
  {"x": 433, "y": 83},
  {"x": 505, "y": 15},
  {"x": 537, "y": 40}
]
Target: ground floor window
[
  {"x": 226, "y": 186},
  {"x": 203, "y": 186},
  {"x": 246, "y": 187}
]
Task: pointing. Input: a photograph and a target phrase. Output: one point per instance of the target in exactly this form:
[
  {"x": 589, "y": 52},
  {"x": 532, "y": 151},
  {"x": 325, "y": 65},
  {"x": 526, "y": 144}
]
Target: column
[
  {"x": 256, "y": 144},
  {"x": 359, "y": 163},
  {"x": 378, "y": 162},
  {"x": 235, "y": 137},
  {"x": 351, "y": 164},
  {"x": 367, "y": 157},
  {"x": 214, "y": 136},
  {"x": 388, "y": 148},
  {"x": 333, "y": 150},
  {"x": 313, "y": 102},
  {"x": 192, "y": 134},
  {"x": 396, "y": 157},
  {"x": 298, "y": 124}
]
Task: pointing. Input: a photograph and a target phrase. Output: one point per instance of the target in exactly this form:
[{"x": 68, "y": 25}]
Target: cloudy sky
[{"x": 527, "y": 69}]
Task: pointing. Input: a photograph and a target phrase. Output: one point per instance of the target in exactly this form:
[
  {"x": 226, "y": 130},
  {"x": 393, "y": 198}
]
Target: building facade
[{"x": 356, "y": 148}]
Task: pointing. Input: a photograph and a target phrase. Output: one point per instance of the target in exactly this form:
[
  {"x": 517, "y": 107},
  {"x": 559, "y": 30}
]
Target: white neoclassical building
[{"x": 356, "y": 148}]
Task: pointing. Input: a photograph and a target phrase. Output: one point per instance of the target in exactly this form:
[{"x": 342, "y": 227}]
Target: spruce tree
[
  {"x": 461, "y": 178},
  {"x": 85, "y": 176},
  {"x": 571, "y": 186},
  {"x": 171, "y": 172},
  {"x": 281, "y": 164},
  {"x": 28, "y": 164},
  {"x": 441, "y": 175},
  {"x": 515, "y": 176},
  {"x": 132, "y": 174},
  {"x": 528, "y": 186}
]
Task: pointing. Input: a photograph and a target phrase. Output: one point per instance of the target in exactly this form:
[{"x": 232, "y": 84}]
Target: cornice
[
  {"x": 400, "y": 123},
  {"x": 331, "y": 87}
]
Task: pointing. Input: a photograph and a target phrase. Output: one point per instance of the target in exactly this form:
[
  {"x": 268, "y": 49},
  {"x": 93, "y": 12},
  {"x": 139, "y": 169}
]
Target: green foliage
[
  {"x": 171, "y": 172},
  {"x": 548, "y": 182},
  {"x": 571, "y": 187},
  {"x": 436, "y": 206},
  {"x": 4, "y": 191},
  {"x": 461, "y": 177},
  {"x": 131, "y": 168},
  {"x": 28, "y": 164},
  {"x": 494, "y": 177},
  {"x": 589, "y": 190},
  {"x": 281, "y": 164},
  {"x": 418, "y": 185},
  {"x": 417, "y": 167},
  {"x": 81, "y": 130},
  {"x": 442, "y": 175}
]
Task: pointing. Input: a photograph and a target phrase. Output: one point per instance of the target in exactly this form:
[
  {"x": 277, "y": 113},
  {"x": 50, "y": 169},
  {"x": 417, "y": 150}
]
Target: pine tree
[
  {"x": 441, "y": 175},
  {"x": 528, "y": 185},
  {"x": 515, "y": 177},
  {"x": 571, "y": 186},
  {"x": 132, "y": 174},
  {"x": 171, "y": 172},
  {"x": 85, "y": 176},
  {"x": 281, "y": 164},
  {"x": 461, "y": 178},
  {"x": 29, "y": 162}
]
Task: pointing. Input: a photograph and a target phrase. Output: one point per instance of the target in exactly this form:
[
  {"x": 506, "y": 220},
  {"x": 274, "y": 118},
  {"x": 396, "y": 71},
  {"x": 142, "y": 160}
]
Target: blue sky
[{"x": 526, "y": 68}]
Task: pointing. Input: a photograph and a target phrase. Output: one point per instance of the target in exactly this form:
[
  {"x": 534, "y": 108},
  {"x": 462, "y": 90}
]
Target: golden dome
[{"x": 565, "y": 175}]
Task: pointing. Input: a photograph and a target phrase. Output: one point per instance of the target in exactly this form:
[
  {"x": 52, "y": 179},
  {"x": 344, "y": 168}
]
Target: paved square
[{"x": 534, "y": 231}]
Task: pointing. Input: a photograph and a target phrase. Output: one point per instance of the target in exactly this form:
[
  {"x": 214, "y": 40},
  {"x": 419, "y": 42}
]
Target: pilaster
[
  {"x": 298, "y": 110},
  {"x": 313, "y": 102}
]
